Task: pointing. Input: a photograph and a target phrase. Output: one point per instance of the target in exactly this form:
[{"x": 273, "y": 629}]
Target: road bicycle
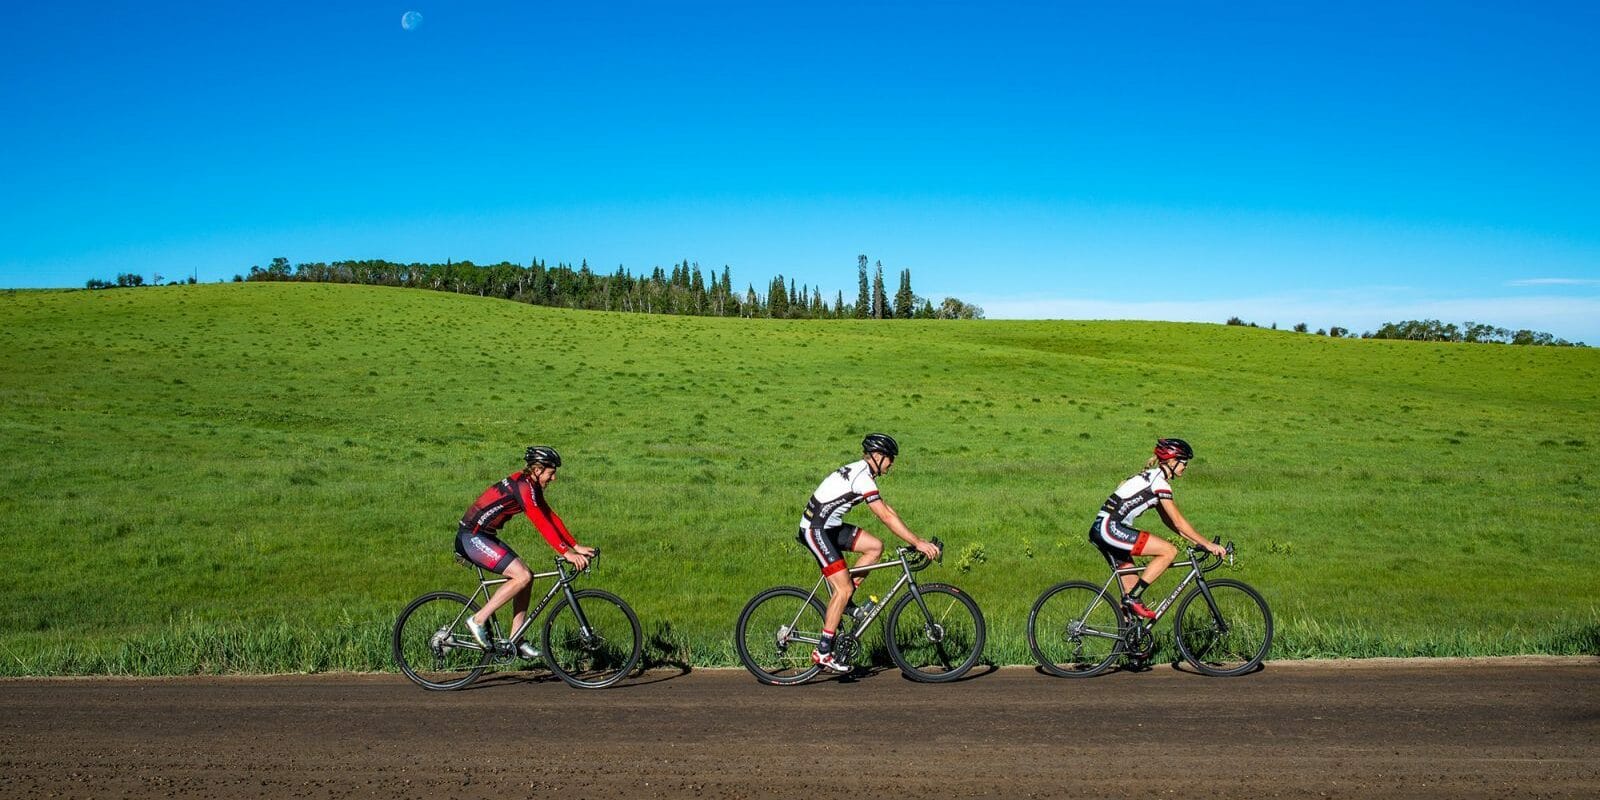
[
  {"x": 934, "y": 632},
  {"x": 1222, "y": 627},
  {"x": 591, "y": 638}
]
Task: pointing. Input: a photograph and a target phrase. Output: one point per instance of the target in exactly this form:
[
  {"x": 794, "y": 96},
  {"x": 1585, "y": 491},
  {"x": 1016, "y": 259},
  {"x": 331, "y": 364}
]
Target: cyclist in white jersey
[
  {"x": 1113, "y": 532},
  {"x": 825, "y": 534}
]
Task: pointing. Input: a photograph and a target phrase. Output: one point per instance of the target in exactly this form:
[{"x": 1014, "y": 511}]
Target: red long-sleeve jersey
[{"x": 502, "y": 500}]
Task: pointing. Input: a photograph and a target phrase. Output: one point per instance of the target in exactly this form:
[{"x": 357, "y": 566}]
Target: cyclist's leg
[
  {"x": 869, "y": 546},
  {"x": 521, "y": 600},
  {"x": 823, "y": 546},
  {"x": 1119, "y": 544},
  {"x": 1161, "y": 553},
  {"x": 518, "y": 581},
  {"x": 1128, "y": 580},
  {"x": 842, "y": 588},
  {"x": 485, "y": 550}
]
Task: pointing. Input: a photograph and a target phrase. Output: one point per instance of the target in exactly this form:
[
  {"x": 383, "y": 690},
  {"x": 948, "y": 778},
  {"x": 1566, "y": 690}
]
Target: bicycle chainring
[
  {"x": 504, "y": 652},
  {"x": 1141, "y": 643},
  {"x": 845, "y": 648}
]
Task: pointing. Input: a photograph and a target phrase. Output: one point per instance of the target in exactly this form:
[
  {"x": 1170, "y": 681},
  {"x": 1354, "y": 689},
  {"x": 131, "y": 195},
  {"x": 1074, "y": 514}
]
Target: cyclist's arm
[
  {"x": 891, "y": 520},
  {"x": 567, "y": 537},
  {"x": 1175, "y": 520},
  {"x": 545, "y": 520}
]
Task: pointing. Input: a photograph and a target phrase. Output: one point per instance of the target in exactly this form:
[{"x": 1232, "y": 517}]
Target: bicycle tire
[
  {"x": 944, "y": 650},
  {"x": 1231, "y": 642},
  {"x": 1075, "y": 630},
  {"x": 762, "y": 642},
  {"x": 431, "y": 643},
  {"x": 607, "y": 653}
]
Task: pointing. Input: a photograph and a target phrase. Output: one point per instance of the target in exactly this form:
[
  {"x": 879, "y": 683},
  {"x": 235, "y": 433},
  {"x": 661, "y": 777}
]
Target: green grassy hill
[{"x": 258, "y": 476}]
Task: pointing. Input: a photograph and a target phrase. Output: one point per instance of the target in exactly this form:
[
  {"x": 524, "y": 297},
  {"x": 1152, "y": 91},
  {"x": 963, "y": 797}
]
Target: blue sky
[{"x": 1337, "y": 164}]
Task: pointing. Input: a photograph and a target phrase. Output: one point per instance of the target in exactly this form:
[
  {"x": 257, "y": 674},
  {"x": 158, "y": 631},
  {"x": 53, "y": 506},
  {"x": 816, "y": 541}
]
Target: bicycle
[
  {"x": 591, "y": 639},
  {"x": 1222, "y": 627},
  {"x": 934, "y": 633}
]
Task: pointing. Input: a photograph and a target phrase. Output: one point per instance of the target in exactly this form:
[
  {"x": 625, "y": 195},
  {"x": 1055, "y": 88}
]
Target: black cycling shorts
[
  {"x": 484, "y": 549},
  {"x": 1117, "y": 542},
  {"x": 826, "y": 544}
]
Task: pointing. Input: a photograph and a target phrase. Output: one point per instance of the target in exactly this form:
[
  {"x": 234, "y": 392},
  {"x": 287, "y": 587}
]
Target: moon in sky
[{"x": 411, "y": 20}]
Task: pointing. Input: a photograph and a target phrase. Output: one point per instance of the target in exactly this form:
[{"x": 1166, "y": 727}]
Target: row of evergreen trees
[{"x": 682, "y": 291}]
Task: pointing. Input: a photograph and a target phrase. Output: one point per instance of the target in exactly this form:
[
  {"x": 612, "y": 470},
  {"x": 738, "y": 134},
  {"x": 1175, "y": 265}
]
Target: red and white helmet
[{"x": 1173, "y": 448}]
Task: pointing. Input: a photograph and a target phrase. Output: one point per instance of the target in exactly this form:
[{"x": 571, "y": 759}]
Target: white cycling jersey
[
  {"x": 1136, "y": 495},
  {"x": 840, "y": 492}
]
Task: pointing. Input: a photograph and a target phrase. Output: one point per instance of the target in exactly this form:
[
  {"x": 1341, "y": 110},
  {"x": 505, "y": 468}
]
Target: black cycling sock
[
  {"x": 1138, "y": 589},
  {"x": 826, "y": 645}
]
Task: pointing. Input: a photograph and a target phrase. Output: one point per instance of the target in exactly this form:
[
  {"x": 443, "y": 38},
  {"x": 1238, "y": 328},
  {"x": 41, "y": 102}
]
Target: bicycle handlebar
[
  {"x": 569, "y": 573},
  {"x": 917, "y": 560},
  {"x": 1201, "y": 555}
]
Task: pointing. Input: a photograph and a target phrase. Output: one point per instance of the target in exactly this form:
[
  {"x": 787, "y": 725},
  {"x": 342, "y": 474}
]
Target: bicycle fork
[
  {"x": 930, "y": 626},
  {"x": 1219, "y": 623},
  {"x": 586, "y": 632}
]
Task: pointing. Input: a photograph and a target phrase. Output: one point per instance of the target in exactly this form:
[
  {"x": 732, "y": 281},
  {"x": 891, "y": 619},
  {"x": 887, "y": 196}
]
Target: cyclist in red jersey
[{"x": 478, "y": 542}]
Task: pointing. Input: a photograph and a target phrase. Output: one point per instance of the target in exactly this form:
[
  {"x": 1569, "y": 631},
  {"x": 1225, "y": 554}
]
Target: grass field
[{"x": 257, "y": 477}]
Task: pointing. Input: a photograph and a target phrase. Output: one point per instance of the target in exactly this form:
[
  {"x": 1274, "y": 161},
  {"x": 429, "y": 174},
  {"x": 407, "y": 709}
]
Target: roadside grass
[{"x": 258, "y": 477}]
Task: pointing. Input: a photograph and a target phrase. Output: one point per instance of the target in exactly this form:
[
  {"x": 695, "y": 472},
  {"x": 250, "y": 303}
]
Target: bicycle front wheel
[
  {"x": 432, "y": 645},
  {"x": 1074, "y": 630},
  {"x": 776, "y": 632},
  {"x": 1230, "y": 634},
  {"x": 595, "y": 643},
  {"x": 941, "y": 644}
]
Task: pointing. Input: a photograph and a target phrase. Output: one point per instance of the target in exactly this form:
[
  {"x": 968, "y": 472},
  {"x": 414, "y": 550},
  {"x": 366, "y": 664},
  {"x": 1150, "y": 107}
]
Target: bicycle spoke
[
  {"x": 776, "y": 634},
  {"x": 432, "y": 646},
  {"x": 1229, "y": 638},
  {"x": 1074, "y": 630},
  {"x": 598, "y": 647},
  {"x": 941, "y": 642}
]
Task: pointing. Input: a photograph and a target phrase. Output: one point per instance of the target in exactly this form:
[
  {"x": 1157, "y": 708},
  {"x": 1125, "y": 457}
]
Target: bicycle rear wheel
[
  {"x": 1228, "y": 636},
  {"x": 432, "y": 645},
  {"x": 1074, "y": 630},
  {"x": 776, "y": 632},
  {"x": 596, "y": 648},
  {"x": 940, "y": 645}
]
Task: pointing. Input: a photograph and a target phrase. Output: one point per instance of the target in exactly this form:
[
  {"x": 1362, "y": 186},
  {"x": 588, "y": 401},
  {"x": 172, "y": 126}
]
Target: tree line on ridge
[{"x": 683, "y": 290}]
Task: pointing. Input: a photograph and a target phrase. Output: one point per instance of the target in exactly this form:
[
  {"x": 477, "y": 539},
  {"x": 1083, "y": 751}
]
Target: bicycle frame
[
  {"x": 788, "y": 634},
  {"x": 1196, "y": 573},
  {"x": 564, "y": 575}
]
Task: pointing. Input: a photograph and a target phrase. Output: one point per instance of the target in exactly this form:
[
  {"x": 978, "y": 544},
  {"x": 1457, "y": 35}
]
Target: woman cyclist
[
  {"x": 1113, "y": 532},
  {"x": 477, "y": 541}
]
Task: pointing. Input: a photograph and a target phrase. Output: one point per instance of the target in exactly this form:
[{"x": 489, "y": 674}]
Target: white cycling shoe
[
  {"x": 480, "y": 632},
  {"x": 828, "y": 662}
]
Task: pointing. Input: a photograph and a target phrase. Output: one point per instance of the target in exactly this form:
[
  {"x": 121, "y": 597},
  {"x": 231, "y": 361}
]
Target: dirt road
[{"x": 1502, "y": 728}]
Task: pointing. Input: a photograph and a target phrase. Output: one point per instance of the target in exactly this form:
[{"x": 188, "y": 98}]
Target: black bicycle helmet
[
  {"x": 542, "y": 456},
  {"x": 881, "y": 443},
  {"x": 1173, "y": 448}
]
